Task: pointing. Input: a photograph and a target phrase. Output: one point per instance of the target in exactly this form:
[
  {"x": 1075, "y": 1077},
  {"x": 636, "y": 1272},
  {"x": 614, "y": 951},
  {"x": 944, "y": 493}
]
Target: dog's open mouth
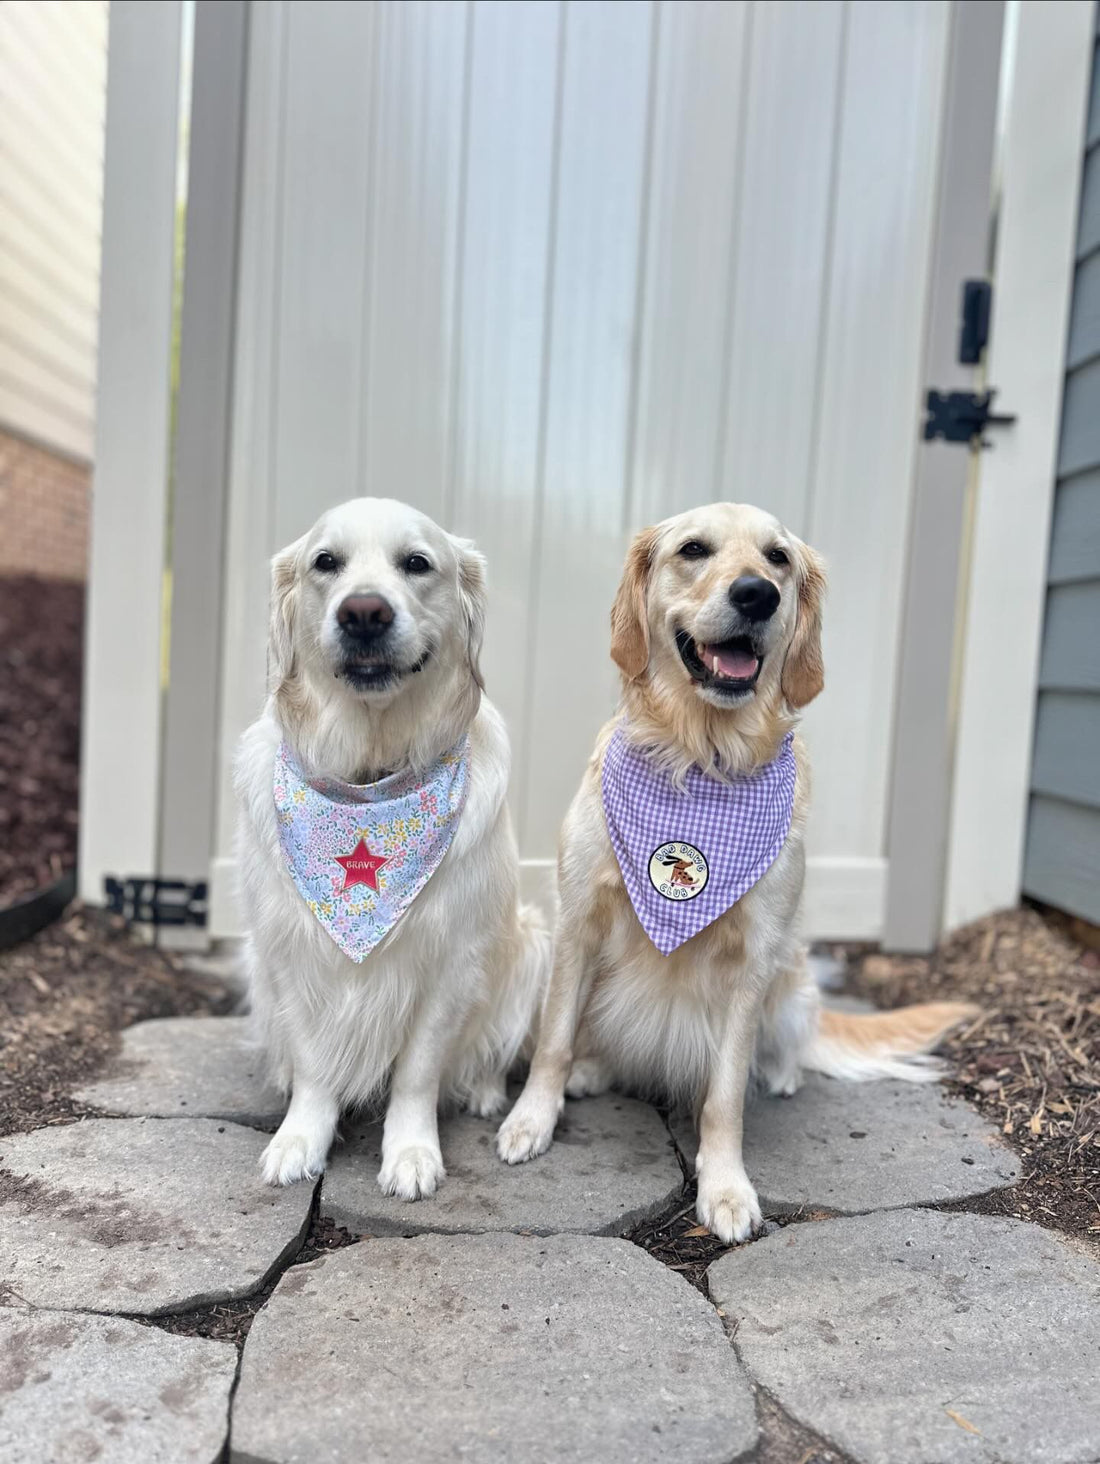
[
  {"x": 729, "y": 666},
  {"x": 375, "y": 673}
]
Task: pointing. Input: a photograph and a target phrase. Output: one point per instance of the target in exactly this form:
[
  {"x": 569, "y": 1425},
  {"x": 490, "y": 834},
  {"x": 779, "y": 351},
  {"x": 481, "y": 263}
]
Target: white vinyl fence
[{"x": 552, "y": 271}]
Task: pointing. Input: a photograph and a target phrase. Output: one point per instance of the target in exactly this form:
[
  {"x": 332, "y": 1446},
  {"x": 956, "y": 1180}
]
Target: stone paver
[
  {"x": 140, "y": 1215},
  {"x": 188, "y": 1067},
  {"x": 611, "y": 1165},
  {"x": 75, "y": 1387},
  {"x": 852, "y": 1147},
  {"x": 912, "y": 1336},
  {"x": 490, "y": 1347}
]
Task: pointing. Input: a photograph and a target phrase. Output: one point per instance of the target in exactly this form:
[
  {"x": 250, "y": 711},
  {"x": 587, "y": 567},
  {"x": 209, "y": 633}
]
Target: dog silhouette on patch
[{"x": 681, "y": 872}]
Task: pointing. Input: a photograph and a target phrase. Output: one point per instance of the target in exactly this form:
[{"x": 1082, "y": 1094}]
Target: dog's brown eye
[
  {"x": 777, "y": 556},
  {"x": 417, "y": 564},
  {"x": 327, "y": 563},
  {"x": 694, "y": 550}
]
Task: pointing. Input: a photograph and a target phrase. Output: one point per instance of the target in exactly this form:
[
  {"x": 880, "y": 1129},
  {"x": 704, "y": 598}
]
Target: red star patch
[{"x": 361, "y": 867}]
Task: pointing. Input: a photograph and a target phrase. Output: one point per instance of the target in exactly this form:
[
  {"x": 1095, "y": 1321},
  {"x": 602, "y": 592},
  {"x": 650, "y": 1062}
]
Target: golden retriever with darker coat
[{"x": 716, "y": 630}]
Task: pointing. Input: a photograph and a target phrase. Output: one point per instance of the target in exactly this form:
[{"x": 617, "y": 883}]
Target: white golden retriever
[
  {"x": 376, "y": 626},
  {"x": 716, "y": 631}
]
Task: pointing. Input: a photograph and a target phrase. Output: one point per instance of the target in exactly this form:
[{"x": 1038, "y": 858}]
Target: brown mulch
[
  {"x": 64, "y": 997},
  {"x": 41, "y": 650},
  {"x": 1030, "y": 1063}
]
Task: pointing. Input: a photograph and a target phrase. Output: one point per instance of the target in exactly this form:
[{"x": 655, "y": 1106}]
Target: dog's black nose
[
  {"x": 754, "y": 597},
  {"x": 365, "y": 617}
]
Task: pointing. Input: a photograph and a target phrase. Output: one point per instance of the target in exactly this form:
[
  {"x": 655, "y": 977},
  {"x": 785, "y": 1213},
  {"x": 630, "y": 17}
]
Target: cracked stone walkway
[{"x": 506, "y": 1319}]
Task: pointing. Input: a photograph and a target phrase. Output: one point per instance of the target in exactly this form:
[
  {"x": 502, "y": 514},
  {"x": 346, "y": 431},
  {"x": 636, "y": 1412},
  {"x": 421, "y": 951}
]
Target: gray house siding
[{"x": 1062, "y": 858}]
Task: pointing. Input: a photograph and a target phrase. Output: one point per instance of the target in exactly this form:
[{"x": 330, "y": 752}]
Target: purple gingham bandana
[
  {"x": 686, "y": 857},
  {"x": 360, "y": 853}
]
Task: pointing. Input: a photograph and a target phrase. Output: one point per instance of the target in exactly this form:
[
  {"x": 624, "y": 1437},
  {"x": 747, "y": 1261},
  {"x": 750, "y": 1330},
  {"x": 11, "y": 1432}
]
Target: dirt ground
[
  {"x": 41, "y": 645},
  {"x": 64, "y": 997}
]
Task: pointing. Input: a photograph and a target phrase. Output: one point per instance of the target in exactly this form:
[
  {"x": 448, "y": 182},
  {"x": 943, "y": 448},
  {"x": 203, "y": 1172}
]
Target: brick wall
[{"x": 43, "y": 512}]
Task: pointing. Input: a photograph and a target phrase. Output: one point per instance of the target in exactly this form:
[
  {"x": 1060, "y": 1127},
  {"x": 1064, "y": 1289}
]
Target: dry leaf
[
  {"x": 961, "y": 1421},
  {"x": 1035, "y": 1122},
  {"x": 694, "y": 1231}
]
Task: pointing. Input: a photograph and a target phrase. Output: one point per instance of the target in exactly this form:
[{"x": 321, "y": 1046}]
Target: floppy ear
[
  {"x": 629, "y": 622},
  {"x": 284, "y": 613},
  {"x": 471, "y": 593},
  {"x": 803, "y": 670}
]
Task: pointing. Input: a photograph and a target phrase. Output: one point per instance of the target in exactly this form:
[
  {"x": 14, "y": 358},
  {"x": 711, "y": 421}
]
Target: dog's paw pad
[{"x": 413, "y": 1173}]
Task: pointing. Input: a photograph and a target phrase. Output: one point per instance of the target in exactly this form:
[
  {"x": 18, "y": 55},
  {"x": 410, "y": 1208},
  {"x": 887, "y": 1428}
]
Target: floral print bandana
[
  {"x": 361, "y": 853},
  {"x": 687, "y": 856}
]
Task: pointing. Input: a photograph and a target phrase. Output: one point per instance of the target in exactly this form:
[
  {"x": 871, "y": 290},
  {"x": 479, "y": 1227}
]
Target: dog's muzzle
[{"x": 366, "y": 623}]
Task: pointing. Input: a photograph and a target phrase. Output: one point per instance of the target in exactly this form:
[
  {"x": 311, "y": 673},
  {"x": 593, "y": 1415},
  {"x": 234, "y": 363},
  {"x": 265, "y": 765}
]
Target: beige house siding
[{"x": 53, "y": 78}]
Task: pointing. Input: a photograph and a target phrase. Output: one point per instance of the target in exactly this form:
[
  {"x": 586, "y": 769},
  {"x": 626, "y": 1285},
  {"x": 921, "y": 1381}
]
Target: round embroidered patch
[{"x": 678, "y": 871}]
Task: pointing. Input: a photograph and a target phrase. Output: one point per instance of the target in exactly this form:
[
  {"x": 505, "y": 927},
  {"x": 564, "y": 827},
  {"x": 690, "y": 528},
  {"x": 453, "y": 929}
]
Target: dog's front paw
[
  {"x": 727, "y": 1206},
  {"x": 412, "y": 1173},
  {"x": 528, "y": 1130},
  {"x": 292, "y": 1156}
]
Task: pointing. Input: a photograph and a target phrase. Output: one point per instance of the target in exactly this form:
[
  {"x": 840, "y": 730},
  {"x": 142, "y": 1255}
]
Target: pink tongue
[{"x": 738, "y": 665}]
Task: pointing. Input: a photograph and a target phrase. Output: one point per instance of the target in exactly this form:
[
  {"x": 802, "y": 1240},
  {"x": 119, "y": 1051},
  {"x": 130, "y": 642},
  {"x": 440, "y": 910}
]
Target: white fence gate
[{"x": 554, "y": 271}]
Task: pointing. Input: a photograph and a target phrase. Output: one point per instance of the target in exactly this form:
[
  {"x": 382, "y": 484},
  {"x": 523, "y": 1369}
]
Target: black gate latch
[
  {"x": 962, "y": 416},
  {"x": 148, "y": 901}
]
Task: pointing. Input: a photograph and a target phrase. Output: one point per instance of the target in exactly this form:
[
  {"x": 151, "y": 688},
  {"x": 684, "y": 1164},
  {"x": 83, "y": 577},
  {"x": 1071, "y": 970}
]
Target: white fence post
[
  {"x": 190, "y": 768},
  {"x": 122, "y": 677},
  {"x": 1040, "y": 184},
  {"x": 920, "y": 783}
]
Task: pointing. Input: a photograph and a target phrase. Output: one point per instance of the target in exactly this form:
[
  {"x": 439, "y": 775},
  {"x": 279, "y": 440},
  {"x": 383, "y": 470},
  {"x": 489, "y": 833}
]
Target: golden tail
[{"x": 885, "y": 1044}]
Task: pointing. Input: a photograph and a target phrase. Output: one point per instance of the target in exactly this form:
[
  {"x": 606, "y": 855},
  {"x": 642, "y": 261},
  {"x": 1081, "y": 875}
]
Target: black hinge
[
  {"x": 962, "y": 416},
  {"x": 147, "y": 901}
]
